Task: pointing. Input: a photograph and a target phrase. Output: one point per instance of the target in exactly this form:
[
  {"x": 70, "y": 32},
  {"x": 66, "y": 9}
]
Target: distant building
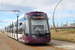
[
  {"x": 65, "y": 25},
  {"x": 72, "y": 24}
]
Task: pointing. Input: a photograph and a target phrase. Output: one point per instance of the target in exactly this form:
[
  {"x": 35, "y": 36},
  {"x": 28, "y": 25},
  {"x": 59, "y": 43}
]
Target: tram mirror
[{"x": 20, "y": 23}]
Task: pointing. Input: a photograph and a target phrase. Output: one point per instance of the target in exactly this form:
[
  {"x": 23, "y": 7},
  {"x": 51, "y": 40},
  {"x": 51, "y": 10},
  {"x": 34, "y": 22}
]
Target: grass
[{"x": 64, "y": 35}]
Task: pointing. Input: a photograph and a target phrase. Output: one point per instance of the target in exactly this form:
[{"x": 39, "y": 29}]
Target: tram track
[
  {"x": 37, "y": 48},
  {"x": 9, "y": 43},
  {"x": 46, "y": 47},
  {"x": 16, "y": 48},
  {"x": 29, "y": 47}
]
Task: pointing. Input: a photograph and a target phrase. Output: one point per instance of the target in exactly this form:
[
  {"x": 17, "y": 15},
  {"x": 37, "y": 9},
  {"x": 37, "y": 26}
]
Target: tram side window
[
  {"x": 10, "y": 30},
  {"x": 26, "y": 27}
]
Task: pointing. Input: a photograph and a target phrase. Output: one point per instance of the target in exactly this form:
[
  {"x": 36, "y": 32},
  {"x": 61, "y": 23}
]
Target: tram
[{"x": 33, "y": 27}]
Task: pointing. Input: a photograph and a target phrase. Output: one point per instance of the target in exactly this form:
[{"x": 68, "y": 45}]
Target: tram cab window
[{"x": 39, "y": 27}]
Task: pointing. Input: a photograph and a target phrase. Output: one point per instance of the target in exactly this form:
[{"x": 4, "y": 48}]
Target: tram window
[
  {"x": 42, "y": 24},
  {"x": 38, "y": 26},
  {"x": 26, "y": 27},
  {"x": 20, "y": 30}
]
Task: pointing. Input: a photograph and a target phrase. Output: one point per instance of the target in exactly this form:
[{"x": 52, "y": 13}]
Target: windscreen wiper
[{"x": 39, "y": 33}]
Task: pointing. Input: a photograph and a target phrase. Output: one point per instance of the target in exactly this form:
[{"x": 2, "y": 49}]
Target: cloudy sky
[{"x": 65, "y": 11}]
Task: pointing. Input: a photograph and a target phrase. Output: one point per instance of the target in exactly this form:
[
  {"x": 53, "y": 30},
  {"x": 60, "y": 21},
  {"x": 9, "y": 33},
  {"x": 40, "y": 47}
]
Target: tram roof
[{"x": 35, "y": 13}]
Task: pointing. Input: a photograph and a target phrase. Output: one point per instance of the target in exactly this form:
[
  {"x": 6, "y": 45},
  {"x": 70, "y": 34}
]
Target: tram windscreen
[{"x": 39, "y": 27}]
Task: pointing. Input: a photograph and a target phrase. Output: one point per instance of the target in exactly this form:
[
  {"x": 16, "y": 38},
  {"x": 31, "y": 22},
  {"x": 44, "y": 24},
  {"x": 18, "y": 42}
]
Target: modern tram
[{"x": 33, "y": 27}]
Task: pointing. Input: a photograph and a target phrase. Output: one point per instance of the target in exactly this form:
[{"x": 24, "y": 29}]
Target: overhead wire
[
  {"x": 20, "y": 4},
  {"x": 18, "y": 8}
]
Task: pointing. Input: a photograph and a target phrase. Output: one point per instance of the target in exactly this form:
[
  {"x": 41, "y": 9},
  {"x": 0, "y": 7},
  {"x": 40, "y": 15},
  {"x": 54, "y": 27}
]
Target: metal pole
[
  {"x": 57, "y": 24},
  {"x": 53, "y": 15},
  {"x": 17, "y": 25},
  {"x": 17, "y": 28},
  {"x": 17, "y": 20},
  {"x": 73, "y": 22},
  {"x": 12, "y": 29},
  {"x": 67, "y": 23},
  {"x": 61, "y": 24}
]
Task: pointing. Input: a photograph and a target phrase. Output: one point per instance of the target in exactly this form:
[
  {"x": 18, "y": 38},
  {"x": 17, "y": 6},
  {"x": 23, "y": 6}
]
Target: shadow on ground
[
  {"x": 38, "y": 44},
  {"x": 45, "y": 44}
]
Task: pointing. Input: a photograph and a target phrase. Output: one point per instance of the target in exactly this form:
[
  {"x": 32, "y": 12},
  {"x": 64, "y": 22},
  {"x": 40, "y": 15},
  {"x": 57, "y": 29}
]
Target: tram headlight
[
  {"x": 48, "y": 40},
  {"x": 47, "y": 35},
  {"x": 33, "y": 40},
  {"x": 33, "y": 36}
]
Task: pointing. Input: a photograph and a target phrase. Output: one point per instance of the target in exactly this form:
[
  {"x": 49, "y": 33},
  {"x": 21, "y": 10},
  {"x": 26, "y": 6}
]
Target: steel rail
[{"x": 9, "y": 42}]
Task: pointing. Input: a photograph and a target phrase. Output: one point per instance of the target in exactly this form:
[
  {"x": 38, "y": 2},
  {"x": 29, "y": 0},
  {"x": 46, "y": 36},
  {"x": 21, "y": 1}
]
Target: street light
[{"x": 53, "y": 15}]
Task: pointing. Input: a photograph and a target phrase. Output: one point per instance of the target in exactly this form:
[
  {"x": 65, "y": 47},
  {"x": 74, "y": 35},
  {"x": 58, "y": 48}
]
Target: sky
[{"x": 64, "y": 12}]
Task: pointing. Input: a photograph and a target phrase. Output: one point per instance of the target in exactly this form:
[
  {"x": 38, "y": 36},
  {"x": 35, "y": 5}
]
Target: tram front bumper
[{"x": 37, "y": 39}]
